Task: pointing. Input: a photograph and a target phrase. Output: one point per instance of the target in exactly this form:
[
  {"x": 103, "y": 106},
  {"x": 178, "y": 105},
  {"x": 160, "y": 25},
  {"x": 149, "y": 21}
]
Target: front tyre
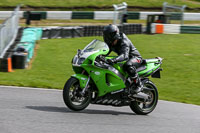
[
  {"x": 72, "y": 95},
  {"x": 147, "y": 107}
]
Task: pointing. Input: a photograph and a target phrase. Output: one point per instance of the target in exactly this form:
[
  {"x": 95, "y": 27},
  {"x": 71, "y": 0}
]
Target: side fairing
[{"x": 106, "y": 81}]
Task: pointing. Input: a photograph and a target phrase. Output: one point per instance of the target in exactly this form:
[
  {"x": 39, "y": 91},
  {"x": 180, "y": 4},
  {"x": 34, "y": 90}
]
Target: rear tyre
[
  {"x": 147, "y": 107},
  {"x": 72, "y": 96}
]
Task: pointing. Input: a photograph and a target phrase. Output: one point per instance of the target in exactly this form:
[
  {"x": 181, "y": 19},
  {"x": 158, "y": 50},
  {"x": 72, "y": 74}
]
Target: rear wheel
[
  {"x": 72, "y": 95},
  {"x": 148, "y": 106}
]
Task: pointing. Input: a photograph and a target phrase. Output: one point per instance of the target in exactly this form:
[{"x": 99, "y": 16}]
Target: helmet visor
[{"x": 108, "y": 38}]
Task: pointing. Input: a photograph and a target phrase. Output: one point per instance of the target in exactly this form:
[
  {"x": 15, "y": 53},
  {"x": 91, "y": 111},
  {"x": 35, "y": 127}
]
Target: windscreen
[{"x": 95, "y": 45}]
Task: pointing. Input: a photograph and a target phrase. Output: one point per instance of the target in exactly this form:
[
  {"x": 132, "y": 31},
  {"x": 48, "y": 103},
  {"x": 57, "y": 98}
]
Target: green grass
[
  {"x": 72, "y": 22},
  {"x": 181, "y": 66},
  {"x": 78, "y": 22},
  {"x": 71, "y": 3}
]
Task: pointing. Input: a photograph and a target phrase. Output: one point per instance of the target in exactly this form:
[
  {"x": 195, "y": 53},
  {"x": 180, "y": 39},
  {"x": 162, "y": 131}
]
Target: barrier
[
  {"x": 92, "y": 30},
  {"x": 6, "y": 14},
  {"x": 190, "y": 29},
  {"x": 42, "y": 13},
  {"x": 6, "y": 64},
  {"x": 70, "y": 32},
  {"x": 82, "y": 15},
  {"x": 19, "y": 60},
  {"x": 98, "y": 15},
  {"x": 59, "y": 15},
  {"x": 173, "y": 29},
  {"x": 191, "y": 16},
  {"x": 165, "y": 28},
  {"x": 8, "y": 33},
  {"x": 24, "y": 50},
  {"x": 62, "y": 32},
  {"x": 103, "y": 15}
]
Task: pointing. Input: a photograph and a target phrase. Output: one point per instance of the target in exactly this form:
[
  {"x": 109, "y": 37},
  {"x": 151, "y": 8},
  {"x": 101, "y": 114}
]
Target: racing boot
[{"x": 136, "y": 85}]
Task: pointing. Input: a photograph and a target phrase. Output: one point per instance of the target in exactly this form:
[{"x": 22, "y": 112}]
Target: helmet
[{"x": 110, "y": 34}]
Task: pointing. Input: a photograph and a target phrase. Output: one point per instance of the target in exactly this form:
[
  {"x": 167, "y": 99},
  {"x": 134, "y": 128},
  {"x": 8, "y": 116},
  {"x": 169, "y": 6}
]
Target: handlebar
[
  {"x": 102, "y": 58},
  {"x": 102, "y": 62}
]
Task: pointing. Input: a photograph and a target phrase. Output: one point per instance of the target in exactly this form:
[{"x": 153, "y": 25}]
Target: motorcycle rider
[{"x": 120, "y": 44}]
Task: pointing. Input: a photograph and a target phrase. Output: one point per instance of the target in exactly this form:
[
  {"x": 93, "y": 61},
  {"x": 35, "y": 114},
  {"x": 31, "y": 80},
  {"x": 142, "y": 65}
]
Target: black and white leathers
[{"x": 124, "y": 49}]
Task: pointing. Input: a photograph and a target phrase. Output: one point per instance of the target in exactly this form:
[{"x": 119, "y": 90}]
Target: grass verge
[
  {"x": 79, "y": 22},
  {"x": 180, "y": 78},
  {"x": 99, "y": 3}
]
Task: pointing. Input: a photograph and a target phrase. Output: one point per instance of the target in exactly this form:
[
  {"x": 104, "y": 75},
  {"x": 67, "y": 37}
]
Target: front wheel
[
  {"x": 72, "y": 95},
  {"x": 147, "y": 107}
]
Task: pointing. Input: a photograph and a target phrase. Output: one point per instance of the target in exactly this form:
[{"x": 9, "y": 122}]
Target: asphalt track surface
[{"x": 29, "y": 110}]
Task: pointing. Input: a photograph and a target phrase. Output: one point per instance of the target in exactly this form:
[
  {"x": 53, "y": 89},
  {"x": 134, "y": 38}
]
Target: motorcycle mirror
[{"x": 79, "y": 53}]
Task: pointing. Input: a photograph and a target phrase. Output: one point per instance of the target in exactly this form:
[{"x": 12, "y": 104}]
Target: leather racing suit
[{"x": 127, "y": 52}]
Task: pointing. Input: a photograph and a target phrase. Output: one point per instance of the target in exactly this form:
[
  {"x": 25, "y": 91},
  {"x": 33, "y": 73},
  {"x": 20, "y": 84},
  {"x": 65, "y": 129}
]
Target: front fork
[
  {"x": 86, "y": 87},
  {"x": 83, "y": 81}
]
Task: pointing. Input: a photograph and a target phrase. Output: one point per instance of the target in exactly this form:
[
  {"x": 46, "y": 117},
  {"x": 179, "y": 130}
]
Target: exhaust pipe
[{"x": 141, "y": 96}]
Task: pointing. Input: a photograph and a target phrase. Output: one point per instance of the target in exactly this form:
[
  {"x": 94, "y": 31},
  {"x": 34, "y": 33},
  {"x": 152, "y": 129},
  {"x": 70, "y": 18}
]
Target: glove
[{"x": 110, "y": 61}]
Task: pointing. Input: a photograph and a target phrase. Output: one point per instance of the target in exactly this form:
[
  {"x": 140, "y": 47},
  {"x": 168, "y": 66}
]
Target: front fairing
[{"x": 84, "y": 64}]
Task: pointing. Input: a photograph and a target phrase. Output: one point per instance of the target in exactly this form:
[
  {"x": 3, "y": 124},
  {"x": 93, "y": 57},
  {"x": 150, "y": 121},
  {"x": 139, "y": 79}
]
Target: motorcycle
[{"x": 97, "y": 82}]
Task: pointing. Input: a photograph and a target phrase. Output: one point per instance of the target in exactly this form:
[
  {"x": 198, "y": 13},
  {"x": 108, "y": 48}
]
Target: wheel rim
[
  {"x": 152, "y": 100},
  {"x": 74, "y": 95}
]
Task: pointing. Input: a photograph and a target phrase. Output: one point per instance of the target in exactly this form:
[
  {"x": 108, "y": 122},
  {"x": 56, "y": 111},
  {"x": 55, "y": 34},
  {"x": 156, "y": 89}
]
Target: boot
[{"x": 137, "y": 87}]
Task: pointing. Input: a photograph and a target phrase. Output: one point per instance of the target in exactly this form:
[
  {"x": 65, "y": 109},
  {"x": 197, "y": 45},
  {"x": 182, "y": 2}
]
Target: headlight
[
  {"x": 74, "y": 60},
  {"x": 80, "y": 61},
  {"x": 77, "y": 61}
]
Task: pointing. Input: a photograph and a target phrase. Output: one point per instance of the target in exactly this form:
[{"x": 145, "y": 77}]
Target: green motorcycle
[{"x": 97, "y": 82}]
